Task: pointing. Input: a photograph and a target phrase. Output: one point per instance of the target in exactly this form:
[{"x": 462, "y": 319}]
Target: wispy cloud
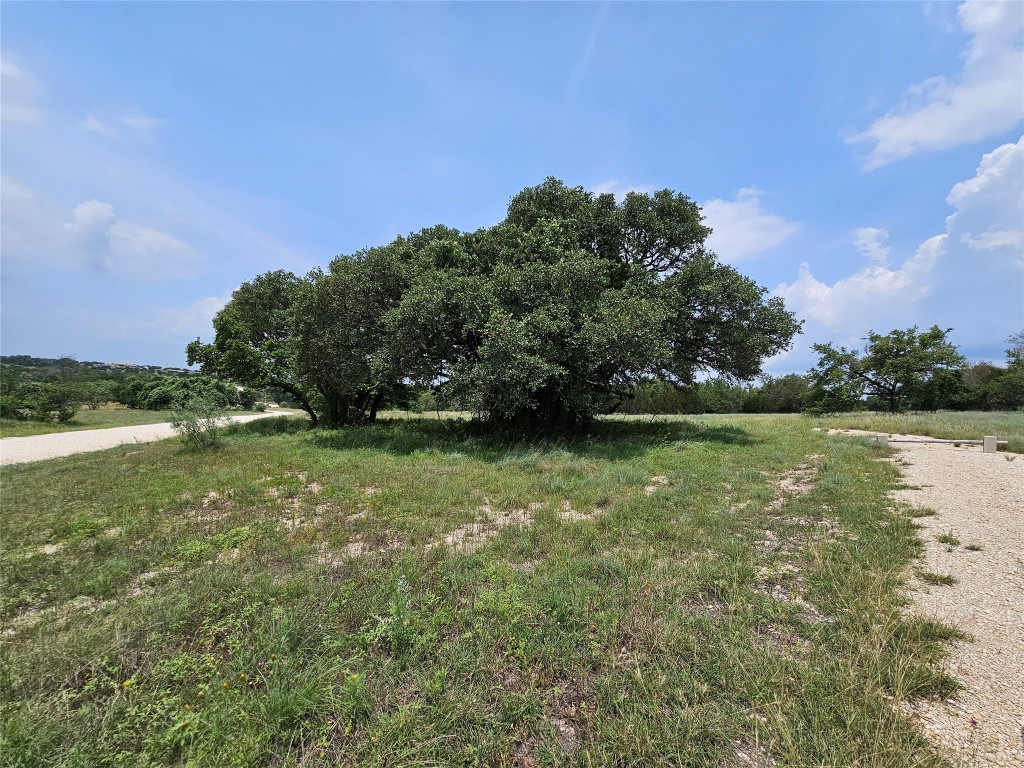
[
  {"x": 95, "y": 125},
  {"x": 578, "y": 73},
  {"x": 38, "y": 236},
  {"x": 19, "y": 93},
  {"x": 133, "y": 124},
  {"x": 128, "y": 247},
  {"x": 870, "y": 241},
  {"x": 983, "y": 100},
  {"x": 197, "y": 318},
  {"x": 579, "y": 70}
]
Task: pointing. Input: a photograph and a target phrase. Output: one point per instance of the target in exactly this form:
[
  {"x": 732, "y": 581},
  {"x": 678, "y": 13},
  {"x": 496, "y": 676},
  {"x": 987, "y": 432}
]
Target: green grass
[
  {"x": 937, "y": 579},
  {"x": 289, "y": 600},
  {"x": 970, "y": 425},
  {"x": 99, "y": 419}
]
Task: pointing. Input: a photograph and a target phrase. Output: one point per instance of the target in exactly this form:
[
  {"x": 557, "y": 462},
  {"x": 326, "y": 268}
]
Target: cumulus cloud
[
  {"x": 868, "y": 295},
  {"x": 984, "y": 99},
  {"x": 37, "y": 235},
  {"x": 126, "y": 247},
  {"x": 970, "y": 277},
  {"x": 19, "y": 92},
  {"x": 742, "y": 228}
]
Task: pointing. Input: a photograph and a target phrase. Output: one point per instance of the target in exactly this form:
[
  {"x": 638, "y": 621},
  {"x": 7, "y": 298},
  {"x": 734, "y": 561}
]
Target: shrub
[{"x": 198, "y": 423}]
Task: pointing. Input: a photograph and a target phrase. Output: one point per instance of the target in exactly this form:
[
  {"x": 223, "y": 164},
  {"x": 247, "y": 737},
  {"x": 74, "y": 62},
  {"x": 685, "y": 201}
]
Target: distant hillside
[{"x": 92, "y": 366}]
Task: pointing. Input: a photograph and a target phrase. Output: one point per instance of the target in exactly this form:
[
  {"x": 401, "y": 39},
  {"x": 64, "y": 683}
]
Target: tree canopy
[
  {"x": 900, "y": 368},
  {"x": 547, "y": 318}
]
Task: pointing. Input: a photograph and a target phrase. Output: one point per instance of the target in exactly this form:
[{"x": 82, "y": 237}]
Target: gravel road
[
  {"x": 978, "y": 499},
  {"x": 20, "y": 450}
]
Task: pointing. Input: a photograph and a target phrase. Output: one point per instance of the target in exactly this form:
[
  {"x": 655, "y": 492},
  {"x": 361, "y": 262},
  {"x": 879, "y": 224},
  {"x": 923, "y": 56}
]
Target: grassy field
[
  {"x": 717, "y": 591},
  {"x": 98, "y": 419},
  {"x": 970, "y": 425}
]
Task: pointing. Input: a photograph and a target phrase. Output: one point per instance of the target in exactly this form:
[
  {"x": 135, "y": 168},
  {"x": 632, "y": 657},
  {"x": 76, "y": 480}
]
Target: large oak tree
[{"x": 545, "y": 319}]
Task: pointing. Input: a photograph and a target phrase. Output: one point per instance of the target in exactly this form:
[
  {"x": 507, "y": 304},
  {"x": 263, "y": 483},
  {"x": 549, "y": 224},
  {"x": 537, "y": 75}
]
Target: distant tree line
[
  {"x": 912, "y": 370},
  {"x": 898, "y": 371},
  {"x": 783, "y": 394},
  {"x": 42, "y": 389}
]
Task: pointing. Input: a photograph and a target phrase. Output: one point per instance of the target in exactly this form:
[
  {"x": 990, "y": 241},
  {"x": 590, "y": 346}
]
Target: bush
[
  {"x": 198, "y": 423},
  {"x": 426, "y": 401},
  {"x": 38, "y": 401}
]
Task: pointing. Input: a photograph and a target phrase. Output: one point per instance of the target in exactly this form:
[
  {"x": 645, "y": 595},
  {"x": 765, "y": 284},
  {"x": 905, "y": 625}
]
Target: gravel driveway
[
  {"x": 978, "y": 500},
  {"x": 20, "y": 450}
]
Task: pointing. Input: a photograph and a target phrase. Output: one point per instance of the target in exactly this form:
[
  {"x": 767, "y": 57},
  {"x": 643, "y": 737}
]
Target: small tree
[{"x": 897, "y": 367}]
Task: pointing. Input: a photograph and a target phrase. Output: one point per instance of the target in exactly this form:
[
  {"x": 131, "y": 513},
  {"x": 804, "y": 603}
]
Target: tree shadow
[
  {"x": 277, "y": 425},
  {"x": 605, "y": 440}
]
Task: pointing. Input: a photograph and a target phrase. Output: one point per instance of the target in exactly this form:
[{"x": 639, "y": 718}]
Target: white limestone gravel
[
  {"x": 21, "y": 450},
  {"x": 979, "y": 499}
]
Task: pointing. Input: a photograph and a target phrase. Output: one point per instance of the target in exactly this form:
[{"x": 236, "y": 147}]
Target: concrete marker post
[
  {"x": 989, "y": 445},
  {"x": 882, "y": 439}
]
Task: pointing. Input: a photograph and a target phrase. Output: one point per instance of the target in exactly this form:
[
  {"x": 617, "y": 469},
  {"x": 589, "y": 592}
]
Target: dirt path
[
  {"x": 978, "y": 500},
  {"x": 20, "y": 450}
]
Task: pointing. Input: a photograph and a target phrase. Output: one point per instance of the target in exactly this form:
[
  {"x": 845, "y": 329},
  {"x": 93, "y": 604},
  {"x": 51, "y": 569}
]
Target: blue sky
[{"x": 863, "y": 160}]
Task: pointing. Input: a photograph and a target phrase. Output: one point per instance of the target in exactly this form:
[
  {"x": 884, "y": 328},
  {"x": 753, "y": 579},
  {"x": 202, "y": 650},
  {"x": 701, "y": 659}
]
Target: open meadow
[
  {"x": 688, "y": 591},
  {"x": 970, "y": 425}
]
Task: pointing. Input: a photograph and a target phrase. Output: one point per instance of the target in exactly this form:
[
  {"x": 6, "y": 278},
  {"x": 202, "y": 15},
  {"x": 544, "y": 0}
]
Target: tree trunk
[
  {"x": 374, "y": 405},
  {"x": 297, "y": 394}
]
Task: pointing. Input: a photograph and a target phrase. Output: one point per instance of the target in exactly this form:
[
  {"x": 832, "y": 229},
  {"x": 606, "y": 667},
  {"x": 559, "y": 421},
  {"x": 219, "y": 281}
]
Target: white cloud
[
  {"x": 91, "y": 217},
  {"x": 742, "y": 228},
  {"x": 994, "y": 168},
  {"x": 126, "y": 247},
  {"x": 868, "y": 295},
  {"x": 620, "y": 188},
  {"x": 993, "y": 239},
  {"x": 870, "y": 241},
  {"x": 985, "y": 99},
  {"x": 197, "y": 318},
  {"x": 95, "y": 125},
  {"x": 970, "y": 278},
  {"x": 138, "y": 125},
  {"x": 37, "y": 236},
  {"x": 19, "y": 92},
  {"x": 142, "y": 123}
]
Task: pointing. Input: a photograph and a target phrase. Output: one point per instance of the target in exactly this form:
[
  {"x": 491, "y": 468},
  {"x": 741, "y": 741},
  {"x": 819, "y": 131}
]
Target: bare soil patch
[{"x": 488, "y": 524}]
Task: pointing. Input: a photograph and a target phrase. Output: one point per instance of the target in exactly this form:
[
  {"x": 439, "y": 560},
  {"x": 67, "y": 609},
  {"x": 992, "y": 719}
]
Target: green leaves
[
  {"x": 901, "y": 366},
  {"x": 547, "y": 318}
]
